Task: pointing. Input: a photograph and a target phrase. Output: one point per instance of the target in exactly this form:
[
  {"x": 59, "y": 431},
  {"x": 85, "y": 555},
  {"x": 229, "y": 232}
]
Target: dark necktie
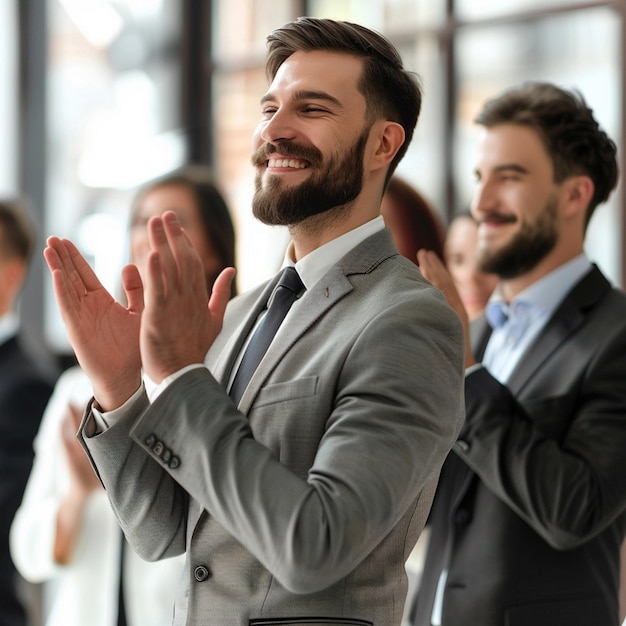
[{"x": 289, "y": 286}]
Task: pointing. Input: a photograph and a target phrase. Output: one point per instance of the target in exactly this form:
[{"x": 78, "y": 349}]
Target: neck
[
  {"x": 318, "y": 230},
  {"x": 513, "y": 286}
]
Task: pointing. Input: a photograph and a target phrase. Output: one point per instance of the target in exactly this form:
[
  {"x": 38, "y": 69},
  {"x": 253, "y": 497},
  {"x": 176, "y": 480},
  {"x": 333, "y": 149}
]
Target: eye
[
  {"x": 139, "y": 222},
  {"x": 313, "y": 110},
  {"x": 268, "y": 111}
]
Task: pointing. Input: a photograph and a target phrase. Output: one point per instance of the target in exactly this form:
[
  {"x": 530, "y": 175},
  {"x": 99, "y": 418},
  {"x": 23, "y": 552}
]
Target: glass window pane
[
  {"x": 8, "y": 103},
  {"x": 113, "y": 118},
  {"x": 370, "y": 14},
  {"x": 383, "y": 15},
  {"x": 476, "y": 9},
  {"x": 401, "y": 15},
  {"x": 241, "y": 26},
  {"x": 421, "y": 165},
  {"x": 562, "y": 49}
]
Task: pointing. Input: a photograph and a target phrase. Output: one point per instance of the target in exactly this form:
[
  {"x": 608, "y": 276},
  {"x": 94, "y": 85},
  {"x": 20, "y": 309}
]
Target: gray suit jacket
[{"x": 301, "y": 505}]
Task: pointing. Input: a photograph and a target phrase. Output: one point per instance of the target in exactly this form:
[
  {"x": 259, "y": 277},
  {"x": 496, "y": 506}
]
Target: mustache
[
  {"x": 288, "y": 149},
  {"x": 498, "y": 218}
]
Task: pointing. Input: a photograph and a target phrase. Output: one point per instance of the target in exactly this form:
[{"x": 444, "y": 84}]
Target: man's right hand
[{"x": 103, "y": 333}]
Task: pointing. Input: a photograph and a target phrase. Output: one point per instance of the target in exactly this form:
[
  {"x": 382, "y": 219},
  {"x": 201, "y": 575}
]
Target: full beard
[
  {"x": 529, "y": 246},
  {"x": 331, "y": 187}
]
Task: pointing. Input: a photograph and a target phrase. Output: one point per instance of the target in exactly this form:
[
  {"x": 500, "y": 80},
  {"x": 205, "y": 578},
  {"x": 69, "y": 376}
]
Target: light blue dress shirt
[{"x": 516, "y": 325}]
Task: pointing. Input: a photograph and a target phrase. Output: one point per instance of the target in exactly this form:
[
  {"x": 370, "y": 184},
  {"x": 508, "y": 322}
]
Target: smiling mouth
[
  {"x": 496, "y": 219},
  {"x": 296, "y": 164}
]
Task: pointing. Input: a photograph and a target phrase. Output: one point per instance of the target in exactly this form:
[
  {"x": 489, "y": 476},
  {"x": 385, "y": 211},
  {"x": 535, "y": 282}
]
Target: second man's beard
[{"x": 529, "y": 246}]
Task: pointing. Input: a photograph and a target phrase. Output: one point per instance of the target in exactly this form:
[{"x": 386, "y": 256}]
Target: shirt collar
[
  {"x": 315, "y": 264},
  {"x": 542, "y": 296}
]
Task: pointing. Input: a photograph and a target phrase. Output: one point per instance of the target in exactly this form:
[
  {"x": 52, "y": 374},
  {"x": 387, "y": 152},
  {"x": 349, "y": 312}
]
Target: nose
[
  {"x": 483, "y": 200},
  {"x": 279, "y": 127}
]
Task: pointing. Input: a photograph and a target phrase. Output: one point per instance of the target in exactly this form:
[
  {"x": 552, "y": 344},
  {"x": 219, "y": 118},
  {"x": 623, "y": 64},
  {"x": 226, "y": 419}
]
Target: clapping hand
[
  {"x": 436, "y": 273},
  {"x": 180, "y": 322},
  {"x": 103, "y": 333},
  {"x": 175, "y": 328}
]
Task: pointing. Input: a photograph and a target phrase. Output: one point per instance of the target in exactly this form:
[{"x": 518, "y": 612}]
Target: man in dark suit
[
  {"x": 530, "y": 510},
  {"x": 25, "y": 386}
]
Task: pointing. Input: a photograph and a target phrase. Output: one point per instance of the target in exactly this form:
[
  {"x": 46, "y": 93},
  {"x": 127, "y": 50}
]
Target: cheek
[
  {"x": 459, "y": 274},
  {"x": 139, "y": 247}
]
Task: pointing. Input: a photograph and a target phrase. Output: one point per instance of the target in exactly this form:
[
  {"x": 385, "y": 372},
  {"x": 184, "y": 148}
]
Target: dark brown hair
[
  {"x": 390, "y": 91},
  {"x": 420, "y": 225},
  {"x": 571, "y": 135}
]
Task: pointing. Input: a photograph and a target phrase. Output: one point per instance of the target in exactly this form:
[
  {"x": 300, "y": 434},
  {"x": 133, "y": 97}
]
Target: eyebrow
[
  {"x": 307, "y": 95},
  {"x": 506, "y": 167}
]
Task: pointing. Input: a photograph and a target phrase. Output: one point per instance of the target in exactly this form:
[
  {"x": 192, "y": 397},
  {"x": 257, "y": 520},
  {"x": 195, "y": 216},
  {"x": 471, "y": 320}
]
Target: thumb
[
  {"x": 220, "y": 294},
  {"x": 133, "y": 288}
]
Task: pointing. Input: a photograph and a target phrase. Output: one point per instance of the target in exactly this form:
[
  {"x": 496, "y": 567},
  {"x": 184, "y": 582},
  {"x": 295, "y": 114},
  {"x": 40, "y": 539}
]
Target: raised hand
[
  {"x": 436, "y": 273},
  {"x": 103, "y": 333},
  {"x": 83, "y": 481},
  {"x": 179, "y": 322}
]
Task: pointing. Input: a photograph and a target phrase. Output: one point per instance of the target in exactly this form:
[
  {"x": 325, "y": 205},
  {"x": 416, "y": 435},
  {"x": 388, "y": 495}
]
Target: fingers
[
  {"x": 431, "y": 266},
  {"x": 62, "y": 255},
  {"x": 173, "y": 265},
  {"x": 220, "y": 294},
  {"x": 161, "y": 265}
]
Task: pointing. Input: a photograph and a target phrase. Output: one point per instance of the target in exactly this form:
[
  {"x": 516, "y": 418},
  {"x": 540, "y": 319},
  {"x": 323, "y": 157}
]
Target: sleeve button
[{"x": 201, "y": 573}]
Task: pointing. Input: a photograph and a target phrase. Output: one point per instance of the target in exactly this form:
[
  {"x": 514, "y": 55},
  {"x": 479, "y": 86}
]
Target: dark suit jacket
[
  {"x": 25, "y": 387},
  {"x": 530, "y": 508}
]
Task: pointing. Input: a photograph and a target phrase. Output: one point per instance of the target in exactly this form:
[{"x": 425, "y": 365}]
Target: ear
[
  {"x": 578, "y": 192},
  {"x": 389, "y": 137}
]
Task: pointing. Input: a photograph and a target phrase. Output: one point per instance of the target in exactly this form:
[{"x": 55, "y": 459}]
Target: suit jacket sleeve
[{"x": 555, "y": 452}]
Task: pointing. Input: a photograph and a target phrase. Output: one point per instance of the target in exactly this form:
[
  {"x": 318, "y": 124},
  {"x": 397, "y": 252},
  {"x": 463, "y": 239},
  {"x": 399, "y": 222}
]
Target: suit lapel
[
  {"x": 568, "y": 316},
  {"x": 317, "y": 301}
]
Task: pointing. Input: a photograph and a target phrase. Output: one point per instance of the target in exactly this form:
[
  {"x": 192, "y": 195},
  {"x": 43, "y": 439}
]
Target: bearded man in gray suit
[{"x": 299, "y": 501}]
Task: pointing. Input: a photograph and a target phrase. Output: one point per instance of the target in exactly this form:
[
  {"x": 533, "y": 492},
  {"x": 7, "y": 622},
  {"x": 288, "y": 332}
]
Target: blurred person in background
[
  {"x": 26, "y": 383},
  {"x": 461, "y": 258},
  {"x": 530, "y": 510},
  {"x": 413, "y": 223},
  {"x": 65, "y": 532}
]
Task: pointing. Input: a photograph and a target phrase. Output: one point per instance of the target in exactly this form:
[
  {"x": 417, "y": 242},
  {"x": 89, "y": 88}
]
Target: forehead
[
  {"x": 334, "y": 73},
  {"x": 512, "y": 144},
  {"x": 159, "y": 199}
]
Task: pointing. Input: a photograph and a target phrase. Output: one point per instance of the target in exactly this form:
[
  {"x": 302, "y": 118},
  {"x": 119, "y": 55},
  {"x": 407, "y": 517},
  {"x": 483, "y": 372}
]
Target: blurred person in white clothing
[{"x": 65, "y": 532}]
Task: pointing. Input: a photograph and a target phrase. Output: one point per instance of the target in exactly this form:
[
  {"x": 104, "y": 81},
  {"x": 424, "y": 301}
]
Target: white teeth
[{"x": 286, "y": 163}]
